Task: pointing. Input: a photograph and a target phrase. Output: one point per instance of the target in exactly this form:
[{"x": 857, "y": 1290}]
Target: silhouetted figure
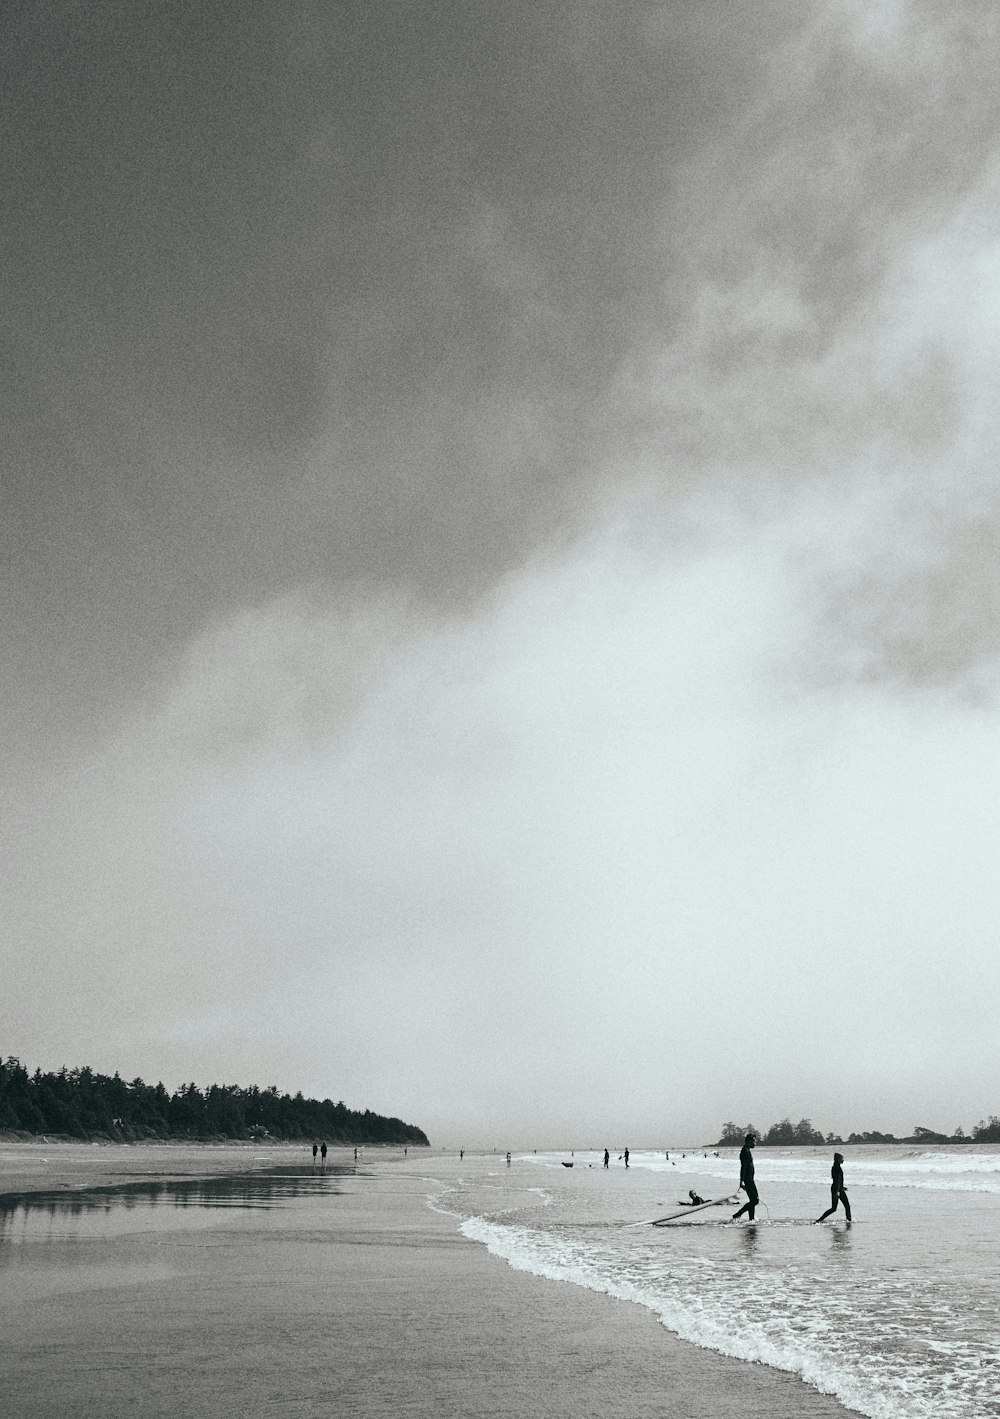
[
  {"x": 461, "y": 1154},
  {"x": 315, "y": 1151},
  {"x": 322, "y": 1153},
  {"x": 838, "y": 1193},
  {"x": 508, "y": 1160},
  {"x": 355, "y": 1155},
  {"x": 405, "y": 1151},
  {"x": 626, "y": 1157},
  {"x": 607, "y": 1158},
  {"x": 746, "y": 1179}
]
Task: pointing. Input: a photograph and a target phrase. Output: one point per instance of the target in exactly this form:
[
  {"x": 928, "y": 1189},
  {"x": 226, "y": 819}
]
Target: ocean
[
  {"x": 317, "y": 1293},
  {"x": 897, "y": 1315}
]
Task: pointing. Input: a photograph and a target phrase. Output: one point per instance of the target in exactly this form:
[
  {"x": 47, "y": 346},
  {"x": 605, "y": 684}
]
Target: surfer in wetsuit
[
  {"x": 696, "y": 1201},
  {"x": 838, "y": 1193},
  {"x": 746, "y": 1179}
]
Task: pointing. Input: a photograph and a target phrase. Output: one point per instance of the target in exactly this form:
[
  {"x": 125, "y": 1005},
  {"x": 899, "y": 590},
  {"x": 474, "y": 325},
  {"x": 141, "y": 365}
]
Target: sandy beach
[{"x": 382, "y": 1306}]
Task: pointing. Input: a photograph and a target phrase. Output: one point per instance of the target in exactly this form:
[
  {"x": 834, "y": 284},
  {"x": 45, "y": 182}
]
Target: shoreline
[
  {"x": 417, "y": 1304},
  {"x": 32, "y": 1168}
]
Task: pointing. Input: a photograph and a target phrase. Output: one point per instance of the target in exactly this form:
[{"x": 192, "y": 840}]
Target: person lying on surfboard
[{"x": 696, "y": 1201}]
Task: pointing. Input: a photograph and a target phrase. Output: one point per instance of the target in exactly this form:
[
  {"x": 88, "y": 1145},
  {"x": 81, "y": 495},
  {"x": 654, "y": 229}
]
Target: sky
[{"x": 499, "y": 558}]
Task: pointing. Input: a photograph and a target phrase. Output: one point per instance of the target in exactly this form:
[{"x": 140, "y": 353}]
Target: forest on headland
[
  {"x": 802, "y": 1134},
  {"x": 79, "y": 1103}
]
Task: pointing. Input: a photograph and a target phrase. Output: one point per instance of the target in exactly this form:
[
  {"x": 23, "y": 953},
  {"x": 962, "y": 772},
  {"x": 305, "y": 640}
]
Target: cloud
[
  {"x": 402, "y": 299},
  {"x": 593, "y": 834},
  {"x": 499, "y": 548}
]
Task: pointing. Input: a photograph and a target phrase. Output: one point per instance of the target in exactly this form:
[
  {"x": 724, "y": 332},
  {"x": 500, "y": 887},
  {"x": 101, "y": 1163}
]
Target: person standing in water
[
  {"x": 607, "y": 1157},
  {"x": 746, "y": 1179},
  {"x": 322, "y": 1153},
  {"x": 626, "y": 1157},
  {"x": 838, "y": 1193}
]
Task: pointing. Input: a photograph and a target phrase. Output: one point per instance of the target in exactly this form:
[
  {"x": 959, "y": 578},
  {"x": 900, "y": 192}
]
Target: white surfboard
[{"x": 697, "y": 1207}]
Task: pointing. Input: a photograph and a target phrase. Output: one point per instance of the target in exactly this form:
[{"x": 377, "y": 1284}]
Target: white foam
[
  {"x": 779, "y": 1319},
  {"x": 956, "y": 1171},
  {"x": 529, "y": 1251}
]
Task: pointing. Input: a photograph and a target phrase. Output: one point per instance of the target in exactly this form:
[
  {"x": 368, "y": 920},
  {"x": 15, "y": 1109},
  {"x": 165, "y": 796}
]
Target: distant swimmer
[
  {"x": 695, "y": 1201},
  {"x": 607, "y": 1158},
  {"x": 746, "y": 1179},
  {"x": 626, "y": 1157},
  {"x": 838, "y": 1193}
]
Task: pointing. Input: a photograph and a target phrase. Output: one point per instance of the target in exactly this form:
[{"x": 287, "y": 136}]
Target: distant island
[
  {"x": 81, "y": 1104},
  {"x": 802, "y": 1134}
]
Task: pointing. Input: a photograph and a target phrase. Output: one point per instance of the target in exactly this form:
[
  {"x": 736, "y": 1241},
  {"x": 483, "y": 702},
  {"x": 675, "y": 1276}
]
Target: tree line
[
  {"x": 802, "y": 1134},
  {"x": 80, "y": 1103}
]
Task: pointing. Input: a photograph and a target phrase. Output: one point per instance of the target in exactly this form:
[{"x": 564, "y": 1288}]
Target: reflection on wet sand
[{"x": 271, "y": 1187}]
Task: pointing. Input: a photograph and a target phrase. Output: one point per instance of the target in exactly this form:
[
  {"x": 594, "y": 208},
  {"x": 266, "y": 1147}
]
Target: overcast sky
[{"x": 500, "y": 557}]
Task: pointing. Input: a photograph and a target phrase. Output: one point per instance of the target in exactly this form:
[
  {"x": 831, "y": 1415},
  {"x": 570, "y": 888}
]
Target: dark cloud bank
[{"x": 389, "y": 295}]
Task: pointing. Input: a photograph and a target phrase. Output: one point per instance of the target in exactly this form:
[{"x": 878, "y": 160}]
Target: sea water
[
  {"x": 172, "y": 1296},
  {"x": 896, "y": 1314}
]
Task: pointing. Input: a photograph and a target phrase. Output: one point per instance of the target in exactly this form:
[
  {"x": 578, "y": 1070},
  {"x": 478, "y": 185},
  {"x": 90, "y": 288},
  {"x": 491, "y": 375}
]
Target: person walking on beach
[
  {"x": 315, "y": 1151},
  {"x": 838, "y": 1193},
  {"x": 626, "y": 1157},
  {"x": 322, "y": 1153},
  {"x": 607, "y": 1158},
  {"x": 746, "y": 1179}
]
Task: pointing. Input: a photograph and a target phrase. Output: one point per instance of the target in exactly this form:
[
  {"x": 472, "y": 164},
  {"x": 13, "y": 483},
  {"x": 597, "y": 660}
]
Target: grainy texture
[{"x": 354, "y": 1295}]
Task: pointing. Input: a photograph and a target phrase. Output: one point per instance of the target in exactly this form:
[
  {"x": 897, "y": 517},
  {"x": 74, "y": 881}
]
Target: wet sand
[
  {"x": 35, "y": 1167},
  {"x": 359, "y": 1298}
]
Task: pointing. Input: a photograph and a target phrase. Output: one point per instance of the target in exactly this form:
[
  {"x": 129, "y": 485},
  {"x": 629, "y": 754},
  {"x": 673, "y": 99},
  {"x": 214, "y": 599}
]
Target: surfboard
[{"x": 689, "y": 1211}]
